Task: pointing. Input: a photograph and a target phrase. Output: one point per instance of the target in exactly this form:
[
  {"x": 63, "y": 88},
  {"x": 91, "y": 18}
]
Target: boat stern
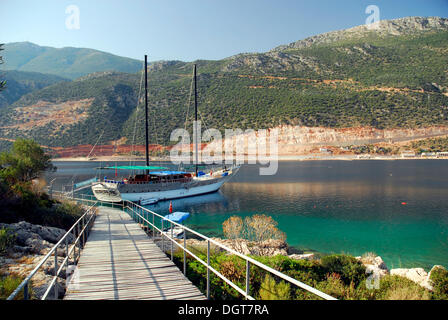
[{"x": 107, "y": 192}]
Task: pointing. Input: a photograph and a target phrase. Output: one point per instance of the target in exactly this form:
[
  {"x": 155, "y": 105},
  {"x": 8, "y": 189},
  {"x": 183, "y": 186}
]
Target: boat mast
[
  {"x": 146, "y": 112},
  {"x": 196, "y": 120}
]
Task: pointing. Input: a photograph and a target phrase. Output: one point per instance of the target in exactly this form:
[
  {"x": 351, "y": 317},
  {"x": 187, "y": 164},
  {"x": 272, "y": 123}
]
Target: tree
[
  {"x": 233, "y": 230},
  {"x": 2, "y": 82},
  {"x": 25, "y": 162},
  {"x": 258, "y": 228}
]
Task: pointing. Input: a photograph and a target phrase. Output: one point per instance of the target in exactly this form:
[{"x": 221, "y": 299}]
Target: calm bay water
[{"x": 329, "y": 206}]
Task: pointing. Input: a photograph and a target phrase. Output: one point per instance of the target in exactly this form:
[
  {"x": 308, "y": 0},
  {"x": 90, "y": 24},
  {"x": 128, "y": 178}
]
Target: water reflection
[{"x": 211, "y": 202}]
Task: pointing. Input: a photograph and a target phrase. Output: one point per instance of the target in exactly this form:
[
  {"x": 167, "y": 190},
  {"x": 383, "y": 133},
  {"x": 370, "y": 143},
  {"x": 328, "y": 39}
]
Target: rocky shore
[{"x": 32, "y": 243}]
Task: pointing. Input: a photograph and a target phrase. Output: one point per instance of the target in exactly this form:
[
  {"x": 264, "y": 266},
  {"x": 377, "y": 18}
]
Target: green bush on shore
[
  {"x": 8, "y": 284},
  {"x": 439, "y": 280},
  {"x": 7, "y": 239},
  {"x": 338, "y": 275},
  {"x": 21, "y": 192}
]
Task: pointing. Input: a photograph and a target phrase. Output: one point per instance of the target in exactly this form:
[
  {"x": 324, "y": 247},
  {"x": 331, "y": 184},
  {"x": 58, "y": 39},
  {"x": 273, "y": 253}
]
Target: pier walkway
[{"x": 119, "y": 261}]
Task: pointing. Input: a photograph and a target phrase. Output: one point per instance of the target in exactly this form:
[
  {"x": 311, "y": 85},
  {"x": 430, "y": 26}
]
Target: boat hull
[
  {"x": 106, "y": 192},
  {"x": 113, "y": 192},
  {"x": 174, "y": 194}
]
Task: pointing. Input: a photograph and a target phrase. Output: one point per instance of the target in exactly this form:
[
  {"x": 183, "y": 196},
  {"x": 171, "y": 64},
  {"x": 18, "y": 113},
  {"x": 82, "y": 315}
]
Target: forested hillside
[
  {"x": 66, "y": 62},
  {"x": 395, "y": 77},
  {"x": 19, "y": 83}
]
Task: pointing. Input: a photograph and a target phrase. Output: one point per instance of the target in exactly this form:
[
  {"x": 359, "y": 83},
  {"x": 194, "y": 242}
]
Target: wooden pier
[{"x": 119, "y": 261}]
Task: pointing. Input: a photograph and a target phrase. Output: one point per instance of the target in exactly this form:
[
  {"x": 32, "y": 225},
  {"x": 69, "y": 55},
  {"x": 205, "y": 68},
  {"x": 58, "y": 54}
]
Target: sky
[{"x": 188, "y": 30}]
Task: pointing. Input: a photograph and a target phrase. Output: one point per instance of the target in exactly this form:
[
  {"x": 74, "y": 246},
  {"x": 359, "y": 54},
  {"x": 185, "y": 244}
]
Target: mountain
[
  {"x": 66, "y": 62},
  {"x": 392, "y": 77},
  {"x": 19, "y": 83}
]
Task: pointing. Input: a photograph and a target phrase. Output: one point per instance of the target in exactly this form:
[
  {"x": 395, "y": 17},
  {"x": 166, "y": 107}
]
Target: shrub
[
  {"x": 8, "y": 284},
  {"x": 271, "y": 290},
  {"x": 7, "y": 240},
  {"x": 407, "y": 293},
  {"x": 439, "y": 280},
  {"x": 348, "y": 267},
  {"x": 393, "y": 287}
]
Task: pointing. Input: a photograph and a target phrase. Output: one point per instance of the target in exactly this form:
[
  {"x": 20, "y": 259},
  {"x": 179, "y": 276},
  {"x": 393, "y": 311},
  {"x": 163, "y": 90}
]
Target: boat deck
[{"x": 119, "y": 261}]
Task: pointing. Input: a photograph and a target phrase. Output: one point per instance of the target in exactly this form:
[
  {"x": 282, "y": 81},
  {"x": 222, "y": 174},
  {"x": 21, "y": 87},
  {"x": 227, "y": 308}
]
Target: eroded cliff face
[{"x": 297, "y": 140}]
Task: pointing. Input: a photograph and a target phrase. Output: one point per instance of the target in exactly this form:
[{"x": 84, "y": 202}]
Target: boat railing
[
  {"x": 145, "y": 217},
  {"x": 80, "y": 231}
]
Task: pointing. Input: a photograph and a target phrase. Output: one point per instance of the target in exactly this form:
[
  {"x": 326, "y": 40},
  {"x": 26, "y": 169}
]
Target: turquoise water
[{"x": 397, "y": 209}]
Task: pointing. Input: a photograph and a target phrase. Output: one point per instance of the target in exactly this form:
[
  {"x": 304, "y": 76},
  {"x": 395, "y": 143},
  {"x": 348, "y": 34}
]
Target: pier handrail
[
  {"x": 84, "y": 223},
  {"x": 137, "y": 210}
]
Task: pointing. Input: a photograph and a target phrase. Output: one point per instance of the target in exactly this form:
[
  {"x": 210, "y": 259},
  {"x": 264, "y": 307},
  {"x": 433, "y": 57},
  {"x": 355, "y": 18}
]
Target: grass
[
  {"x": 8, "y": 283},
  {"x": 7, "y": 240}
]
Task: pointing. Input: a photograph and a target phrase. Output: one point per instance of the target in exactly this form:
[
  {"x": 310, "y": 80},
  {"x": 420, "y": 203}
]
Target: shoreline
[{"x": 280, "y": 158}]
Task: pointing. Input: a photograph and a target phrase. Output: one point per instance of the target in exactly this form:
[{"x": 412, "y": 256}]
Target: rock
[
  {"x": 418, "y": 275},
  {"x": 306, "y": 256},
  {"x": 374, "y": 265},
  {"x": 35, "y": 239},
  {"x": 266, "y": 248}
]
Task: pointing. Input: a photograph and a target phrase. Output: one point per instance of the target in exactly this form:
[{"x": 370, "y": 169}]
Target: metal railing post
[
  {"x": 185, "y": 253},
  {"x": 83, "y": 242},
  {"x": 78, "y": 241},
  {"x": 56, "y": 273},
  {"x": 247, "y": 278},
  {"x": 25, "y": 292},
  {"x": 66, "y": 255},
  {"x": 161, "y": 235},
  {"x": 172, "y": 239},
  {"x": 208, "y": 269}
]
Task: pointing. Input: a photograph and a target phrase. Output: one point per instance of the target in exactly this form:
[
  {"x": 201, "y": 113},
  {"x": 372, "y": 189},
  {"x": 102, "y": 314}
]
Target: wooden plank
[{"x": 119, "y": 261}]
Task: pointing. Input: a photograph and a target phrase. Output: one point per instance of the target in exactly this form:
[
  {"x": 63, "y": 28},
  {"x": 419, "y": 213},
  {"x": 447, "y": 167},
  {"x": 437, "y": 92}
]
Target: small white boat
[
  {"x": 145, "y": 202},
  {"x": 176, "y": 233}
]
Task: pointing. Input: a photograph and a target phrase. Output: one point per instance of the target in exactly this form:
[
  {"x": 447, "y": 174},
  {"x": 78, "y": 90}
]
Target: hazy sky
[{"x": 191, "y": 29}]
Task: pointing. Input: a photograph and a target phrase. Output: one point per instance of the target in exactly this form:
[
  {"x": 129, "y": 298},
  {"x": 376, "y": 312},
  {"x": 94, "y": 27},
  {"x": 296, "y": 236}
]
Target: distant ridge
[
  {"x": 389, "y": 78},
  {"x": 394, "y": 27},
  {"x": 67, "y": 62}
]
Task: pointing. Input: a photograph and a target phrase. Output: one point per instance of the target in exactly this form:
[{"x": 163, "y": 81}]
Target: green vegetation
[
  {"x": 21, "y": 192},
  {"x": 20, "y": 83},
  {"x": 7, "y": 239},
  {"x": 439, "y": 279},
  {"x": 271, "y": 290},
  {"x": 64, "y": 62},
  {"x": 340, "y": 276},
  {"x": 393, "y": 81},
  {"x": 8, "y": 284},
  {"x": 430, "y": 145}
]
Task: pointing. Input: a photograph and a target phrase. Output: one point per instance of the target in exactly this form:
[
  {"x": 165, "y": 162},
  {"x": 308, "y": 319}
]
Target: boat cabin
[{"x": 160, "y": 176}]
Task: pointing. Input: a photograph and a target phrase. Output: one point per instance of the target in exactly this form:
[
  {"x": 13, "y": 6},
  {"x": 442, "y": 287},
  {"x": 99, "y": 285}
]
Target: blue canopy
[
  {"x": 177, "y": 216},
  {"x": 167, "y": 173}
]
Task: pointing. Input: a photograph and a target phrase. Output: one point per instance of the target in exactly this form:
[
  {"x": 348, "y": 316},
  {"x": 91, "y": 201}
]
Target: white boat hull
[
  {"x": 108, "y": 192},
  {"x": 174, "y": 194}
]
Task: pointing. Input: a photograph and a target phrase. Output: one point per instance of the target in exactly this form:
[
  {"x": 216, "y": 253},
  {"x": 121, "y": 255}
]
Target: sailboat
[{"x": 157, "y": 182}]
